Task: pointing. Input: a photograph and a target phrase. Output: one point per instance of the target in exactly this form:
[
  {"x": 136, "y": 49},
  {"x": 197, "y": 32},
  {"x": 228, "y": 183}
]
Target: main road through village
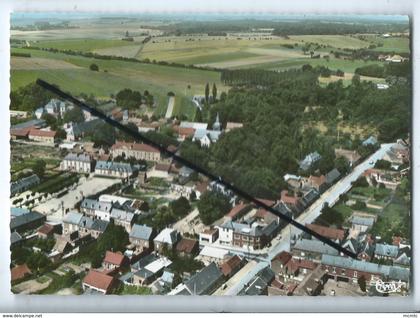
[{"x": 330, "y": 196}]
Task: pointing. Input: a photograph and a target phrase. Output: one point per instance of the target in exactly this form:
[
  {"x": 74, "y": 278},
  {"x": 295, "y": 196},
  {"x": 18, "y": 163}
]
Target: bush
[{"x": 94, "y": 67}]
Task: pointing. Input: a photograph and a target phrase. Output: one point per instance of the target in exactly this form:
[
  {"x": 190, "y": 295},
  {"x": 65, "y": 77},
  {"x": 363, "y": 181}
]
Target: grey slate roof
[
  {"x": 78, "y": 157},
  {"x": 309, "y": 160},
  {"x": 205, "y": 280},
  {"x": 18, "y": 211},
  {"x": 122, "y": 215},
  {"x": 86, "y": 222},
  {"x": 24, "y": 183},
  {"x": 314, "y": 246},
  {"x": 243, "y": 228},
  {"x": 310, "y": 196},
  {"x": 370, "y": 141},
  {"x": 85, "y": 127},
  {"x": 72, "y": 218},
  {"x": 96, "y": 205},
  {"x": 99, "y": 225},
  {"x": 24, "y": 219},
  {"x": 391, "y": 272},
  {"x": 141, "y": 232},
  {"x": 29, "y": 123},
  {"x": 15, "y": 237},
  {"x": 167, "y": 235},
  {"x": 386, "y": 250},
  {"x": 332, "y": 176},
  {"x": 114, "y": 166},
  {"x": 144, "y": 261},
  {"x": 362, "y": 220}
]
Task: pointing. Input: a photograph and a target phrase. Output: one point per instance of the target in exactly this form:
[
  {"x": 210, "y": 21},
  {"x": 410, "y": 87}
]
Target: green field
[
  {"x": 86, "y": 45},
  {"x": 157, "y": 79}
]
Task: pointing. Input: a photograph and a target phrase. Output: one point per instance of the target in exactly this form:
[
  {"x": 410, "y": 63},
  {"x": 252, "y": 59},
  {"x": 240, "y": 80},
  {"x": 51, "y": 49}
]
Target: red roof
[
  {"x": 284, "y": 257},
  {"x": 326, "y": 231},
  {"x": 184, "y": 131},
  {"x": 305, "y": 263},
  {"x": 317, "y": 180},
  {"x": 286, "y": 198},
  {"x": 186, "y": 245},
  {"x": 20, "y": 132},
  {"x": 98, "y": 280},
  {"x": 114, "y": 258},
  {"x": 396, "y": 240},
  {"x": 46, "y": 229},
  {"x": 20, "y": 271},
  {"x": 162, "y": 167},
  {"x": 278, "y": 284},
  {"x": 230, "y": 265},
  {"x": 133, "y": 146},
  {"x": 202, "y": 187},
  {"x": 237, "y": 209},
  {"x": 270, "y": 203},
  {"x": 42, "y": 133}
]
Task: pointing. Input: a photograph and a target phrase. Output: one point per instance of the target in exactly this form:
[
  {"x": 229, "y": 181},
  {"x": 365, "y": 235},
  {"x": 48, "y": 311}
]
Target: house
[
  {"x": 332, "y": 176},
  {"x": 194, "y": 125},
  {"x": 99, "y": 282},
  {"x": 123, "y": 218},
  {"x": 238, "y": 211},
  {"x": 295, "y": 182},
  {"x": 141, "y": 236},
  {"x": 57, "y": 107},
  {"x": 77, "y": 131},
  {"x": 309, "y": 160},
  {"x": 27, "y": 221},
  {"x": 211, "y": 254},
  {"x": 232, "y": 265},
  {"x": 46, "y": 231},
  {"x": 159, "y": 170},
  {"x": 336, "y": 235},
  {"x": 96, "y": 208},
  {"x": 206, "y": 281},
  {"x": 166, "y": 238},
  {"x": 291, "y": 201},
  {"x": 20, "y": 272},
  {"x": 361, "y": 224},
  {"x": 31, "y": 124},
  {"x": 22, "y": 133},
  {"x": 209, "y": 236},
  {"x": 183, "y": 132},
  {"x": 113, "y": 169},
  {"x": 279, "y": 262},
  {"x": 187, "y": 247},
  {"x": 398, "y": 154},
  {"x": 148, "y": 268},
  {"x": 259, "y": 284},
  {"x": 385, "y": 251},
  {"x": 232, "y": 125},
  {"x": 313, "y": 284},
  {"x": 371, "y": 141},
  {"x": 349, "y": 269},
  {"x": 15, "y": 239},
  {"x": 390, "y": 179},
  {"x": 319, "y": 183},
  {"x": 74, "y": 162},
  {"x": 114, "y": 261},
  {"x": 24, "y": 184},
  {"x": 310, "y": 197},
  {"x": 71, "y": 222},
  {"x": 44, "y": 136},
  {"x": 62, "y": 246},
  {"x": 251, "y": 236},
  {"x": 352, "y": 156},
  {"x": 39, "y": 112},
  {"x": 98, "y": 227},
  {"x": 138, "y": 151},
  {"x": 311, "y": 250}
]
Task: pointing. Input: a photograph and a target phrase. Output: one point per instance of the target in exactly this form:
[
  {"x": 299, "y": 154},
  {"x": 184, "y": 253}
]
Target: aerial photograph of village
[{"x": 308, "y": 115}]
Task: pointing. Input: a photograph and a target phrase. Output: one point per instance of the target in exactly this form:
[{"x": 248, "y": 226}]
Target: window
[{"x": 355, "y": 274}]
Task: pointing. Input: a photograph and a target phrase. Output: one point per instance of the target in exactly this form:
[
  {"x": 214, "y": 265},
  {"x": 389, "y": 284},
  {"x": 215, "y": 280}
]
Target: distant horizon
[{"x": 31, "y": 17}]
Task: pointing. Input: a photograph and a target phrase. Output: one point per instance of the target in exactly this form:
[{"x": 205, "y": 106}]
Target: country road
[{"x": 169, "y": 110}]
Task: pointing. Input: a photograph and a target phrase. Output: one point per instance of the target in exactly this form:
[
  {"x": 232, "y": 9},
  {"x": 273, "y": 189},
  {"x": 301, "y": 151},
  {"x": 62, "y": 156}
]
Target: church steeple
[{"x": 217, "y": 125}]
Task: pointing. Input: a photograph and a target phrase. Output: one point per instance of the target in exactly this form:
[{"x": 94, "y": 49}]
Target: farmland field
[{"x": 87, "y": 45}]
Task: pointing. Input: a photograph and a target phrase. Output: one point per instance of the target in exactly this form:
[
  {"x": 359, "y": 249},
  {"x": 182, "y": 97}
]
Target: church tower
[{"x": 217, "y": 126}]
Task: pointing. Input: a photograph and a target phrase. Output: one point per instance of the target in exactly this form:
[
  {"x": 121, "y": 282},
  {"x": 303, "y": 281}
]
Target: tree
[
  {"x": 207, "y": 92},
  {"x": 39, "y": 167},
  {"x": 94, "y": 67},
  {"x": 383, "y": 164},
  {"x": 104, "y": 135},
  {"x": 212, "y": 206},
  {"x": 362, "y": 283},
  {"x": 50, "y": 121},
  {"x": 214, "y": 92},
  {"x": 180, "y": 207},
  {"x": 330, "y": 216},
  {"x": 74, "y": 115}
]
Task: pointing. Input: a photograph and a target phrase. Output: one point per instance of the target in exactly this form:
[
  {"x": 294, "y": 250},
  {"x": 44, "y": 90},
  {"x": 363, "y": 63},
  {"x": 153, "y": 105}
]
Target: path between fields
[{"x": 170, "y": 108}]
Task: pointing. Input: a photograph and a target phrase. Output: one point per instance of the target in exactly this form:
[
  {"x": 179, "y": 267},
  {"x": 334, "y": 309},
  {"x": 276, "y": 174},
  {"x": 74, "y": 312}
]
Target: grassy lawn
[
  {"x": 56, "y": 183},
  {"x": 344, "y": 210},
  {"x": 134, "y": 290},
  {"x": 42, "y": 279},
  {"x": 378, "y": 193}
]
